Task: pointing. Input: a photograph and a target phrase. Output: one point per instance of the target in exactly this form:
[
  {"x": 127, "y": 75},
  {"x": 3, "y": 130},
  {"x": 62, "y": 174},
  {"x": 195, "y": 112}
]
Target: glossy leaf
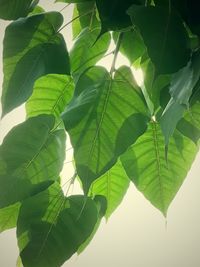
[
  {"x": 32, "y": 48},
  {"x": 104, "y": 117},
  {"x": 159, "y": 180},
  {"x": 51, "y": 227},
  {"x": 164, "y": 35},
  {"x": 31, "y": 158},
  {"x": 113, "y": 186},
  {"x": 51, "y": 94},
  {"x": 86, "y": 52},
  {"x": 14, "y": 9}
]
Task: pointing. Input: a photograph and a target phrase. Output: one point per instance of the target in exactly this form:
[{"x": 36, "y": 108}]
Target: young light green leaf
[
  {"x": 164, "y": 35},
  {"x": 8, "y": 216},
  {"x": 113, "y": 186},
  {"x": 51, "y": 227},
  {"x": 32, "y": 48},
  {"x": 103, "y": 119},
  {"x": 146, "y": 165},
  {"x": 86, "y": 52},
  {"x": 51, "y": 94},
  {"x": 31, "y": 157},
  {"x": 14, "y": 9}
]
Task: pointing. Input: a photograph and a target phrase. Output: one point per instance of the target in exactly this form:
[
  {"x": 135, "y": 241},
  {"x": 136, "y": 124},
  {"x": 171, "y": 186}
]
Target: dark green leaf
[
  {"x": 86, "y": 51},
  {"x": 165, "y": 37},
  {"x": 146, "y": 165},
  {"x": 14, "y": 9},
  {"x": 51, "y": 94},
  {"x": 104, "y": 117},
  {"x": 32, "y": 48},
  {"x": 51, "y": 227},
  {"x": 31, "y": 158}
]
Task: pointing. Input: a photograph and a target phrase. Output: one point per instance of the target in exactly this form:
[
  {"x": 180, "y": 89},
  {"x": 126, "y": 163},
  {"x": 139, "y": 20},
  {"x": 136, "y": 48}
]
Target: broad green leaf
[
  {"x": 51, "y": 227},
  {"x": 103, "y": 119},
  {"x": 51, "y": 94},
  {"x": 31, "y": 158},
  {"x": 8, "y": 216},
  {"x": 113, "y": 13},
  {"x": 86, "y": 52},
  {"x": 87, "y": 17},
  {"x": 146, "y": 165},
  {"x": 74, "y": 1},
  {"x": 113, "y": 186},
  {"x": 165, "y": 37},
  {"x": 132, "y": 45},
  {"x": 14, "y": 9},
  {"x": 32, "y": 48},
  {"x": 180, "y": 90}
]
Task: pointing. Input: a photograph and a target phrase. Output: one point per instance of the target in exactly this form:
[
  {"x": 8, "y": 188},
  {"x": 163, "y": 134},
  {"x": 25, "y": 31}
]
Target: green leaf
[
  {"x": 32, "y": 48},
  {"x": 180, "y": 90},
  {"x": 73, "y": 1},
  {"x": 14, "y": 9},
  {"x": 113, "y": 186},
  {"x": 51, "y": 94},
  {"x": 113, "y": 13},
  {"x": 86, "y": 52},
  {"x": 146, "y": 165},
  {"x": 31, "y": 158},
  {"x": 132, "y": 45},
  {"x": 165, "y": 37},
  {"x": 104, "y": 117},
  {"x": 51, "y": 227},
  {"x": 87, "y": 17},
  {"x": 8, "y": 217}
]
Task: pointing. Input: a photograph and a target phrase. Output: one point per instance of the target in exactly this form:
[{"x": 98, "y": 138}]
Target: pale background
[{"x": 136, "y": 235}]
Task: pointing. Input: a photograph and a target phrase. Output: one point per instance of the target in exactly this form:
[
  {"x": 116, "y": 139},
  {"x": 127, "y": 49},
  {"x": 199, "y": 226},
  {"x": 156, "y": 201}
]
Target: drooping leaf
[
  {"x": 86, "y": 52},
  {"x": 132, "y": 45},
  {"x": 113, "y": 186},
  {"x": 8, "y": 217},
  {"x": 32, "y": 48},
  {"x": 165, "y": 37},
  {"x": 105, "y": 116},
  {"x": 31, "y": 158},
  {"x": 87, "y": 17},
  {"x": 51, "y": 93},
  {"x": 14, "y": 9},
  {"x": 180, "y": 90},
  {"x": 113, "y": 13},
  {"x": 51, "y": 227},
  {"x": 146, "y": 165}
]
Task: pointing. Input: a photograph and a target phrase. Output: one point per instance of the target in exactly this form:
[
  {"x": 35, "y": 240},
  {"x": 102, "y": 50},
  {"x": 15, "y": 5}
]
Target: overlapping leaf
[
  {"x": 51, "y": 227},
  {"x": 32, "y": 48},
  {"x": 159, "y": 180},
  {"x": 31, "y": 158},
  {"x": 86, "y": 52},
  {"x": 8, "y": 216},
  {"x": 113, "y": 186},
  {"x": 51, "y": 93},
  {"x": 105, "y": 116},
  {"x": 164, "y": 35}
]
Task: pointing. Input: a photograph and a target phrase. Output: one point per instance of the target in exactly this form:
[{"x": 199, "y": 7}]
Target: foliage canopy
[{"x": 120, "y": 131}]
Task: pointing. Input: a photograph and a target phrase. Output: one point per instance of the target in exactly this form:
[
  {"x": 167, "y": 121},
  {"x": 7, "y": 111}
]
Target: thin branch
[
  {"x": 116, "y": 53},
  {"x": 65, "y": 7}
]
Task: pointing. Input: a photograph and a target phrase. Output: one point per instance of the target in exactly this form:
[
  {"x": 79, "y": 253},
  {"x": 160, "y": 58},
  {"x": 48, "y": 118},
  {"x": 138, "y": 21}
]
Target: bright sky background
[{"x": 136, "y": 235}]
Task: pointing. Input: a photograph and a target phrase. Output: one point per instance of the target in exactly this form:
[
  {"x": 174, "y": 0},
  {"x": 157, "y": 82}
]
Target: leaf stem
[
  {"x": 112, "y": 70},
  {"x": 65, "y": 7}
]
